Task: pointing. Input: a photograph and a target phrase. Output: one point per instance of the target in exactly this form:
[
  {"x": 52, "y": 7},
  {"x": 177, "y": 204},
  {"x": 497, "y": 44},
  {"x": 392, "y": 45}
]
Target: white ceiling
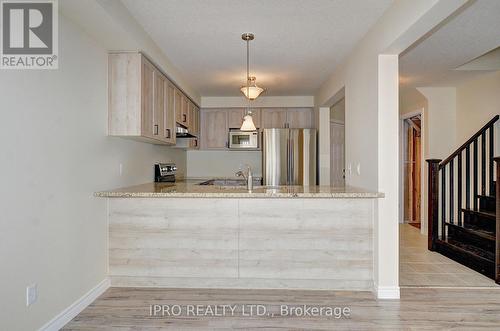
[
  {"x": 297, "y": 43},
  {"x": 468, "y": 35}
]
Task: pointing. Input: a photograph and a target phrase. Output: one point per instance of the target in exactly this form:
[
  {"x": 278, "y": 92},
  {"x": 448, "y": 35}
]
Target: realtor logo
[{"x": 29, "y": 34}]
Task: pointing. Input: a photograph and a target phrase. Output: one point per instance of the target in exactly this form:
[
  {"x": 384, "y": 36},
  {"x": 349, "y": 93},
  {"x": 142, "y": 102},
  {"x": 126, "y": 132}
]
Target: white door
[{"x": 337, "y": 154}]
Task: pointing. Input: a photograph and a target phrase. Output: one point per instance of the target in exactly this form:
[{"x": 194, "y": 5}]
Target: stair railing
[
  {"x": 497, "y": 235},
  {"x": 447, "y": 182}
]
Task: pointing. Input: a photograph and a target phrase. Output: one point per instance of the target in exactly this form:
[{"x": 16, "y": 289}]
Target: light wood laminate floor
[
  {"x": 419, "y": 308},
  {"x": 420, "y": 267}
]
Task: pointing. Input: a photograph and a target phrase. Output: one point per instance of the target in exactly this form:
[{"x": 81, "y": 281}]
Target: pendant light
[{"x": 251, "y": 90}]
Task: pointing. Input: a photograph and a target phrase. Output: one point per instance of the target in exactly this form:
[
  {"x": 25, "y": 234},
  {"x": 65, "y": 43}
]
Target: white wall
[
  {"x": 337, "y": 111},
  {"x": 207, "y": 164},
  {"x": 441, "y": 120},
  {"x": 55, "y": 154},
  {"x": 478, "y": 101},
  {"x": 411, "y": 100}
]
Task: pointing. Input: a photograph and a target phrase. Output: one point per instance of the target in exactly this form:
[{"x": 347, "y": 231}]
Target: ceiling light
[{"x": 250, "y": 90}]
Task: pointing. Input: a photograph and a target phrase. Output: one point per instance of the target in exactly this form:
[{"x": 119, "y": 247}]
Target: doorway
[
  {"x": 412, "y": 170},
  {"x": 337, "y": 144}
]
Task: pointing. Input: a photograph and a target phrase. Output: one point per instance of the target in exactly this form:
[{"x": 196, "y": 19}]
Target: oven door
[{"x": 243, "y": 140}]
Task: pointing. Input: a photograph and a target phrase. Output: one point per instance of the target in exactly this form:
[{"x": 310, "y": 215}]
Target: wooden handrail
[{"x": 468, "y": 142}]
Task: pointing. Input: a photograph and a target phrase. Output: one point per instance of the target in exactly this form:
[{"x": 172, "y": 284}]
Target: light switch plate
[{"x": 31, "y": 294}]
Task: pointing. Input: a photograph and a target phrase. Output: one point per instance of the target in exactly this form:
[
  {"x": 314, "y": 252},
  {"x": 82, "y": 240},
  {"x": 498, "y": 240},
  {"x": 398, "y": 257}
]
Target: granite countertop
[{"x": 191, "y": 189}]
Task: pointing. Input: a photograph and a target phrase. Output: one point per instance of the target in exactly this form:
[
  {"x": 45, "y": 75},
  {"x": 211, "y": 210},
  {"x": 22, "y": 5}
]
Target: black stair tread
[
  {"x": 480, "y": 213},
  {"x": 474, "y": 230},
  {"x": 470, "y": 249},
  {"x": 486, "y": 196}
]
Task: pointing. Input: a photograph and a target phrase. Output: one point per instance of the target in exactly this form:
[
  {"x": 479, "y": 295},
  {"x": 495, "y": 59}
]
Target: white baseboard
[
  {"x": 387, "y": 292},
  {"x": 76, "y": 307}
]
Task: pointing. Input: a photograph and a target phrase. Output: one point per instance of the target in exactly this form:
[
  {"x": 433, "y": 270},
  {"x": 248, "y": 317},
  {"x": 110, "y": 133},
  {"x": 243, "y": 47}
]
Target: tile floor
[{"x": 421, "y": 267}]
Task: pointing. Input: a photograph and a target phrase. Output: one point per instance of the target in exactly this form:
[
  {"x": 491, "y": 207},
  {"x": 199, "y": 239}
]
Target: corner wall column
[{"x": 386, "y": 268}]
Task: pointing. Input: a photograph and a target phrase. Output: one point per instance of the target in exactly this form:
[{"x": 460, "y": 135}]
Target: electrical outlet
[
  {"x": 121, "y": 169},
  {"x": 31, "y": 294}
]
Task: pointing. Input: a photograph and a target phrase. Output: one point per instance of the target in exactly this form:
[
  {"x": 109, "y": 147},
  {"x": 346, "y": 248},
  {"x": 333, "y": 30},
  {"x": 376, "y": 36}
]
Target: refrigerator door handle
[
  {"x": 288, "y": 161},
  {"x": 292, "y": 161}
]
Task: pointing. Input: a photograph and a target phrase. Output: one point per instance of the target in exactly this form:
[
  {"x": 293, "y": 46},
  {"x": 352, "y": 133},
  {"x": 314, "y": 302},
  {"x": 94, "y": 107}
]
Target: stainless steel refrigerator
[{"x": 289, "y": 157}]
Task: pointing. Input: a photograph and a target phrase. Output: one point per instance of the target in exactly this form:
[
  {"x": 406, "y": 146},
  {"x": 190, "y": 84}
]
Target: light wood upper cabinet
[
  {"x": 178, "y": 105},
  {"x": 159, "y": 105},
  {"x": 299, "y": 118},
  {"x": 235, "y": 117},
  {"x": 214, "y": 129},
  {"x": 169, "y": 117},
  {"x": 196, "y": 121},
  {"x": 295, "y": 118},
  {"x": 142, "y": 101},
  {"x": 149, "y": 127},
  {"x": 191, "y": 118},
  {"x": 273, "y": 118},
  {"x": 184, "y": 111}
]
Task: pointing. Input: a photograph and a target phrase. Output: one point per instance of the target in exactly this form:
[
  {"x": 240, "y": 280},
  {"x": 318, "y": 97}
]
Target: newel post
[
  {"x": 497, "y": 213},
  {"x": 433, "y": 203}
]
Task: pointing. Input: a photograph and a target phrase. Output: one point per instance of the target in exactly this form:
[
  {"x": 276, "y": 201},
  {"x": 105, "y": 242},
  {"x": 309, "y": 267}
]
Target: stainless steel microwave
[{"x": 246, "y": 140}]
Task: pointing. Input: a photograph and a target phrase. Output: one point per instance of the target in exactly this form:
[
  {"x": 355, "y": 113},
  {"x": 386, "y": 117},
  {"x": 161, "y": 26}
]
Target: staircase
[{"x": 462, "y": 204}]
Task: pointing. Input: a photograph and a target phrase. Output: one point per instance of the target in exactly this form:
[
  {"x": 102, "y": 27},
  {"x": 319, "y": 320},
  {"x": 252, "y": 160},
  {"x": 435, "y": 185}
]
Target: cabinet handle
[
  {"x": 196, "y": 143},
  {"x": 155, "y": 132},
  {"x": 168, "y": 133},
  {"x": 184, "y": 118}
]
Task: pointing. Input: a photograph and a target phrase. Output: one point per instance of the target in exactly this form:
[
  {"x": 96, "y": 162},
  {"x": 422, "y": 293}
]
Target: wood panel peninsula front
[{"x": 189, "y": 235}]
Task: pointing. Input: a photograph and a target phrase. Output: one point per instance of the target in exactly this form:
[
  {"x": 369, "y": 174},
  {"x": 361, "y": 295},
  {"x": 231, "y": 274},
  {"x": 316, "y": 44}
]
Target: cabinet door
[
  {"x": 235, "y": 118},
  {"x": 299, "y": 118},
  {"x": 169, "y": 113},
  {"x": 194, "y": 143},
  {"x": 178, "y": 105},
  {"x": 185, "y": 111},
  {"x": 190, "y": 117},
  {"x": 256, "y": 118},
  {"x": 148, "y": 128},
  {"x": 214, "y": 129},
  {"x": 159, "y": 106},
  {"x": 197, "y": 121},
  {"x": 273, "y": 118}
]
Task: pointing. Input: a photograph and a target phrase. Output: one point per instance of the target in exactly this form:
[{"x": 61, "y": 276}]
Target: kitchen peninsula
[{"x": 188, "y": 235}]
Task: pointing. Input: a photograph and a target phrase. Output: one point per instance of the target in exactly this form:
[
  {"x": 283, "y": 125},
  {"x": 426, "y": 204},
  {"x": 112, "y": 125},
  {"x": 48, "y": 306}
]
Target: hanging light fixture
[{"x": 251, "y": 90}]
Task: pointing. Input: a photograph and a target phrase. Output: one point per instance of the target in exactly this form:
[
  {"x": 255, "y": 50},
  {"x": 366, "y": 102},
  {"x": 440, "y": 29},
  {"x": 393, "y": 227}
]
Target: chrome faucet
[
  {"x": 248, "y": 177},
  {"x": 241, "y": 174}
]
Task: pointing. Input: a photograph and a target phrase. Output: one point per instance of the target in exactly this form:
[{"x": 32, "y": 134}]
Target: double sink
[{"x": 231, "y": 182}]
